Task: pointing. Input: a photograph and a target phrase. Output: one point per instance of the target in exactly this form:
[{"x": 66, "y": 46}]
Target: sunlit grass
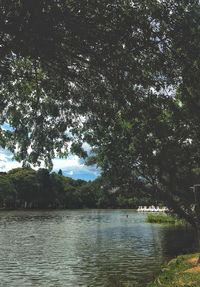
[
  {"x": 180, "y": 272},
  {"x": 163, "y": 218}
]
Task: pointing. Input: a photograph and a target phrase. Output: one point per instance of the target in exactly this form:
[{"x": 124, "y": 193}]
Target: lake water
[{"x": 85, "y": 248}]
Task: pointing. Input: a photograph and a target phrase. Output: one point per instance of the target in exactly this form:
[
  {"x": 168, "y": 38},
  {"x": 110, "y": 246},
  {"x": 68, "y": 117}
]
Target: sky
[{"x": 72, "y": 166}]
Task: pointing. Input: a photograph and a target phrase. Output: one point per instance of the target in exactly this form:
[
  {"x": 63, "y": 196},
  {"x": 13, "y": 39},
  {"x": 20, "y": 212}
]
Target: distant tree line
[{"x": 27, "y": 188}]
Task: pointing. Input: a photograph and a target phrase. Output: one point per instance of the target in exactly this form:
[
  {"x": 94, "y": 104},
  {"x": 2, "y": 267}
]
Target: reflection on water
[{"x": 85, "y": 248}]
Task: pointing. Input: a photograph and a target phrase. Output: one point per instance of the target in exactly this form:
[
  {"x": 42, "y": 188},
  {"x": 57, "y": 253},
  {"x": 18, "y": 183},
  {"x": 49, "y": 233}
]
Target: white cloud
[
  {"x": 86, "y": 147},
  {"x": 6, "y": 162},
  {"x": 72, "y": 162},
  {"x": 71, "y": 166}
]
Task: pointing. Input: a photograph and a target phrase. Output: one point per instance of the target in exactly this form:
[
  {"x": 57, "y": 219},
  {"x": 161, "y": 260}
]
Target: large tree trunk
[{"x": 197, "y": 229}]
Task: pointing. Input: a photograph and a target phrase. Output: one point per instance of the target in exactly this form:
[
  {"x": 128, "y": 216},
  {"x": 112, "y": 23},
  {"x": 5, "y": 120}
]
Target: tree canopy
[
  {"x": 65, "y": 61},
  {"x": 27, "y": 188}
]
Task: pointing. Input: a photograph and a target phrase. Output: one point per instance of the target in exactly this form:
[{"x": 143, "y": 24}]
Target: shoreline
[
  {"x": 181, "y": 271},
  {"x": 61, "y": 209}
]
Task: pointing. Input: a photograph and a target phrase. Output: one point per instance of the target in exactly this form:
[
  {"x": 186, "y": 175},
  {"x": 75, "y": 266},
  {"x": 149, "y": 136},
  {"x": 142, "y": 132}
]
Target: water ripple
[{"x": 83, "y": 248}]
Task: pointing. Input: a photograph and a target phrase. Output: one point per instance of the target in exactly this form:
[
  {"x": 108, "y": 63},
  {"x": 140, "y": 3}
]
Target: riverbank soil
[{"x": 183, "y": 271}]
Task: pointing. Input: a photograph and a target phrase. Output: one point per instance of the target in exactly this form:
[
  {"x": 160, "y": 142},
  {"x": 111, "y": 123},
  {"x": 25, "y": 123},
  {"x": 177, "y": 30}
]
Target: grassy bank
[
  {"x": 180, "y": 272},
  {"x": 163, "y": 218}
]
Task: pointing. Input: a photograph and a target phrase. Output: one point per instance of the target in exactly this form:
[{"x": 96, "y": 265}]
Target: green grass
[
  {"x": 180, "y": 272},
  {"x": 163, "y": 218}
]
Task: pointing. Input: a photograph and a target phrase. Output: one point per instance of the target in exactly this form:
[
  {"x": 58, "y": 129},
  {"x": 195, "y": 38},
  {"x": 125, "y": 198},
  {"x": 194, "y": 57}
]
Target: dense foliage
[
  {"x": 27, "y": 188},
  {"x": 66, "y": 61}
]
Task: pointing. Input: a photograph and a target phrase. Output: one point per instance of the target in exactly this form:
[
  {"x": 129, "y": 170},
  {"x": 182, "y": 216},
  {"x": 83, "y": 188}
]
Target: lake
[{"x": 85, "y": 248}]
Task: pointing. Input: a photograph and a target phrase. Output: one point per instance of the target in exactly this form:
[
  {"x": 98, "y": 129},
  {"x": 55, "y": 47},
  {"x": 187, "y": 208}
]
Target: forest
[{"x": 27, "y": 188}]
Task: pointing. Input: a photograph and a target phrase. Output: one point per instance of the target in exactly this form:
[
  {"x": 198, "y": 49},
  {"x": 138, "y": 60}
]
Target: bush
[{"x": 163, "y": 218}]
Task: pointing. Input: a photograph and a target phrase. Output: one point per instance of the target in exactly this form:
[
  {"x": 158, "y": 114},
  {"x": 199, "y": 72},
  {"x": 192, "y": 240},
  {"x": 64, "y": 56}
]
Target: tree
[
  {"x": 46, "y": 192},
  {"x": 60, "y": 172},
  {"x": 129, "y": 69},
  {"x": 84, "y": 55},
  {"x": 7, "y": 192},
  {"x": 26, "y": 185},
  {"x": 154, "y": 136}
]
